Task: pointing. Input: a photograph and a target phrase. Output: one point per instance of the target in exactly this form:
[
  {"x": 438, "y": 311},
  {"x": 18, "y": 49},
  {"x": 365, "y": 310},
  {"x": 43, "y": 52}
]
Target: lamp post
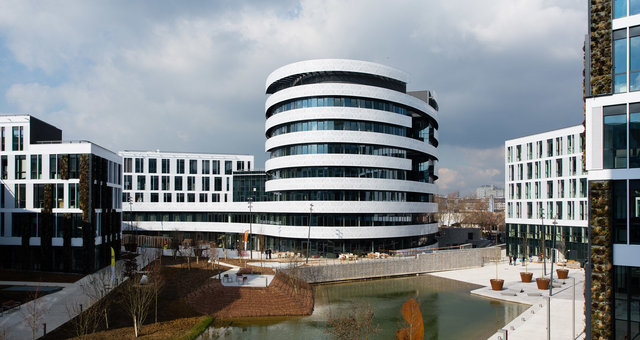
[
  {"x": 553, "y": 253},
  {"x": 250, "y": 228},
  {"x": 309, "y": 232},
  {"x": 542, "y": 236}
]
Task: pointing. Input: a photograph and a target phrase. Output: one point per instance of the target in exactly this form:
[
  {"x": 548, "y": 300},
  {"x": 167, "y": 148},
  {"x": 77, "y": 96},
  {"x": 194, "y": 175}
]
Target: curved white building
[{"x": 346, "y": 137}]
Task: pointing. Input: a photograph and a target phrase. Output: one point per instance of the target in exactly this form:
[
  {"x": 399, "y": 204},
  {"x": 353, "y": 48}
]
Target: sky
[{"x": 190, "y": 76}]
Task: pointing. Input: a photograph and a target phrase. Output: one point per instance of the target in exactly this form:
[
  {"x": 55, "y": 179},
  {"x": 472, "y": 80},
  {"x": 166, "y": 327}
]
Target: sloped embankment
[{"x": 284, "y": 297}]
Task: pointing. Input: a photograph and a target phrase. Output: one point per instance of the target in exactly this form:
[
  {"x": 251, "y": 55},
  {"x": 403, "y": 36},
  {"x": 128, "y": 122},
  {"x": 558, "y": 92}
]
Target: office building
[
  {"x": 60, "y": 204},
  {"x": 546, "y": 194},
  {"x": 612, "y": 112}
]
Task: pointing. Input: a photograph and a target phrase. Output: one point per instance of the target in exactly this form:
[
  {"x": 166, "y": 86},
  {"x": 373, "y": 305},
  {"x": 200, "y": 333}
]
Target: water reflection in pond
[{"x": 448, "y": 310}]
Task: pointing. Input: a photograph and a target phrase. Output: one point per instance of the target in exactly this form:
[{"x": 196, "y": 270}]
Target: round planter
[
  {"x": 526, "y": 276},
  {"x": 496, "y": 284},
  {"x": 543, "y": 283},
  {"x": 563, "y": 274}
]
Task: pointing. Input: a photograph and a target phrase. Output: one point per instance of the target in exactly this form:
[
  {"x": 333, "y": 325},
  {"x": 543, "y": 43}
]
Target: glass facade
[
  {"x": 365, "y": 103},
  {"x": 615, "y": 137},
  {"x": 626, "y": 302}
]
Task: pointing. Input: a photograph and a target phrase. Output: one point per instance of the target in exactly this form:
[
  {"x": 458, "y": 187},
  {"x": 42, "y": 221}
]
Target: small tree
[
  {"x": 413, "y": 317},
  {"x": 34, "y": 311},
  {"x": 354, "y": 324},
  {"x": 136, "y": 299},
  {"x": 84, "y": 321}
]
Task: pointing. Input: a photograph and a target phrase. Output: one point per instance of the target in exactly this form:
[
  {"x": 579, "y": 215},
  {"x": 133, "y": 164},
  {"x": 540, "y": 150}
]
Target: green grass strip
[{"x": 198, "y": 328}]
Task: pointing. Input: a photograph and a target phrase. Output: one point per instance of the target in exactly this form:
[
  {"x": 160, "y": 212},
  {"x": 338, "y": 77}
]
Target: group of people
[
  {"x": 513, "y": 260},
  {"x": 268, "y": 253}
]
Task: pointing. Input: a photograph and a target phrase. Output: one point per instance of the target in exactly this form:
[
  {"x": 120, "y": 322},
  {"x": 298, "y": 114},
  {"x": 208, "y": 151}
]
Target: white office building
[
  {"x": 60, "y": 204},
  {"x": 546, "y": 188}
]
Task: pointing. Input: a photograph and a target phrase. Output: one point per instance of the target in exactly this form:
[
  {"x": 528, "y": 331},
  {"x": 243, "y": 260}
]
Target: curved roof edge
[{"x": 348, "y": 65}]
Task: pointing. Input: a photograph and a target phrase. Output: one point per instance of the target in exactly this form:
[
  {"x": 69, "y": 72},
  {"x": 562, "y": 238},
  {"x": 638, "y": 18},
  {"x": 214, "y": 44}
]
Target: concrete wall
[{"x": 423, "y": 263}]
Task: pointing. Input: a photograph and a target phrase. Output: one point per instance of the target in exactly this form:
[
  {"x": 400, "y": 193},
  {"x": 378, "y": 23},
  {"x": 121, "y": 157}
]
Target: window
[
  {"x": 634, "y": 135},
  {"x": 572, "y": 166},
  {"x": 73, "y": 195},
  {"x": 180, "y": 166},
  {"x": 560, "y": 189},
  {"x": 180, "y": 197},
  {"x": 21, "y": 167},
  {"x": 36, "y": 166},
  {"x": 141, "y": 181},
  {"x": 2, "y": 139},
  {"x": 177, "y": 184},
  {"x": 547, "y": 168},
  {"x": 537, "y": 170},
  {"x": 529, "y": 170},
  {"x": 203, "y": 197},
  {"x": 54, "y": 166},
  {"x": 206, "y": 184},
  {"x": 570, "y": 144},
  {"x": 215, "y": 197},
  {"x": 17, "y": 138},
  {"x": 154, "y": 183},
  {"x": 166, "y": 197},
  {"x": 615, "y": 137},
  {"x": 559, "y": 167},
  {"x": 511, "y": 173},
  {"x": 583, "y": 187},
  {"x": 509, "y": 154},
  {"x": 537, "y": 190},
  {"x": 217, "y": 184},
  {"x": 165, "y": 182},
  {"x": 539, "y": 149},
  {"x": 21, "y": 195},
  {"x": 619, "y": 213},
  {"x": 228, "y": 184},
  {"x": 549, "y": 189},
  {"x": 549, "y": 147},
  {"x": 139, "y": 197},
  {"x": 626, "y": 294},
  {"x": 38, "y": 196},
  {"x": 127, "y": 182},
  {"x": 558, "y": 146},
  {"x": 139, "y": 165},
  {"x": 228, "y": 167},
  {"x": 519, "y": 153},
  {"x": 619, "y": 8},
  {"x": 191, "y": 183},
  {"x": 634, "y": 58},
  {"x": 634, "y": 211},
  {"x": 215, "y": 166},
  {"x": 153, "y": 166},
  {"x": 529, "y": 151},
  {"x": 620, "y": 61},
  {"x": 206, "y": 169},
  {"x": 166, "y": 166},
  {"x": 127, "y": 165},
  {"x": 191, "y": 198},
  {"x": 58, "y": 195},
  {"x": 239, "y": 165},
  {"x": 74, "y": 166},
  {"x": 4, "y": 166},
  {"x": 193, "y": 166},
  {"x": 154, "y": 197}
]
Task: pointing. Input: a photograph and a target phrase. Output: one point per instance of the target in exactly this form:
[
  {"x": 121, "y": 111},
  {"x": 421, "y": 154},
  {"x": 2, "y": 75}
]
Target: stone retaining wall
[{"x": 423, "y": 263}]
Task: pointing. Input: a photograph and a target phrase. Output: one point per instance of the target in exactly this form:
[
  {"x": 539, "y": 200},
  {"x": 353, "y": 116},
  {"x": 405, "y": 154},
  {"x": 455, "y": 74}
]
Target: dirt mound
[{"x": 284, "y": 297}]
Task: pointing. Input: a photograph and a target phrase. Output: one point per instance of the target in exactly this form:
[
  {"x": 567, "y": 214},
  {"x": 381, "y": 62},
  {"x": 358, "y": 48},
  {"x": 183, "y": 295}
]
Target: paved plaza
[{"x": 532, "y": 324}]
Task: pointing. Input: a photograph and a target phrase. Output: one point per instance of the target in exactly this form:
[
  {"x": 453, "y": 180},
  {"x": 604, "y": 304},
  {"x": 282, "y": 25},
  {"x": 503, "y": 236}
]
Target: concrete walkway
[
  {"x": 532, "y": 324},
  {"x": 253, "y": 280},
  {"x": 56, "y": 308}
]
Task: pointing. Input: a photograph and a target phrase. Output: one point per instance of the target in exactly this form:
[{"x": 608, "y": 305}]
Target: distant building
[
  {"x": 60, "y": 204},
  {"x": 546, "y": 184},
  {"x": 487, "y": 191}
]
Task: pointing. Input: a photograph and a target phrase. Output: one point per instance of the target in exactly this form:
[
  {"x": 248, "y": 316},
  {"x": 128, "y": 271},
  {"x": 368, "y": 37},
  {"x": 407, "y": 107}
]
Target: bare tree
[
  {"x": 83, "y": 321},
  {"x": 356, "y": 323},
  {"x": 34, "y": 311},
  {"x": 136, "y": 299},
  {"x": 97, "y": 287}
]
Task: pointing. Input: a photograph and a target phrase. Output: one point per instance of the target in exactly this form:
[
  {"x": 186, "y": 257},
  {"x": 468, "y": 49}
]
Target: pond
[{"x": 448, "y": 311}]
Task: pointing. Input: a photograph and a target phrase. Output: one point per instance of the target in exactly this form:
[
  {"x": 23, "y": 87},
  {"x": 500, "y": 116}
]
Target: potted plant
[
  {"x": 525, "y": 276},
  {"x": 563, "y": 273},
  {"x": 496, "y": 284}
]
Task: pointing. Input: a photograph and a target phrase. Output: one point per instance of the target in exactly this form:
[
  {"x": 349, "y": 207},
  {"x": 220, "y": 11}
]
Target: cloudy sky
[{"x": 190, "y": 76}]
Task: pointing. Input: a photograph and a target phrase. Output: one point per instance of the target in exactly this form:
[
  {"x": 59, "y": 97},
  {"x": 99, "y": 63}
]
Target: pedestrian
[{"x": 510, "y": 261}]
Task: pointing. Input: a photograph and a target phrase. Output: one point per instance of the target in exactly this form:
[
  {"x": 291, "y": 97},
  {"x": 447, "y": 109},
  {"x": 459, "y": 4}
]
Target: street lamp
[
  {"x": 553, "y": 253},
  {"x": 250, "y": 228},
  {"x": 309, "y": 232}
]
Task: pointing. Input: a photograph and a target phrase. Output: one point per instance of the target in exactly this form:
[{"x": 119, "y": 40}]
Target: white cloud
[{"x": 191, "y": 76}]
